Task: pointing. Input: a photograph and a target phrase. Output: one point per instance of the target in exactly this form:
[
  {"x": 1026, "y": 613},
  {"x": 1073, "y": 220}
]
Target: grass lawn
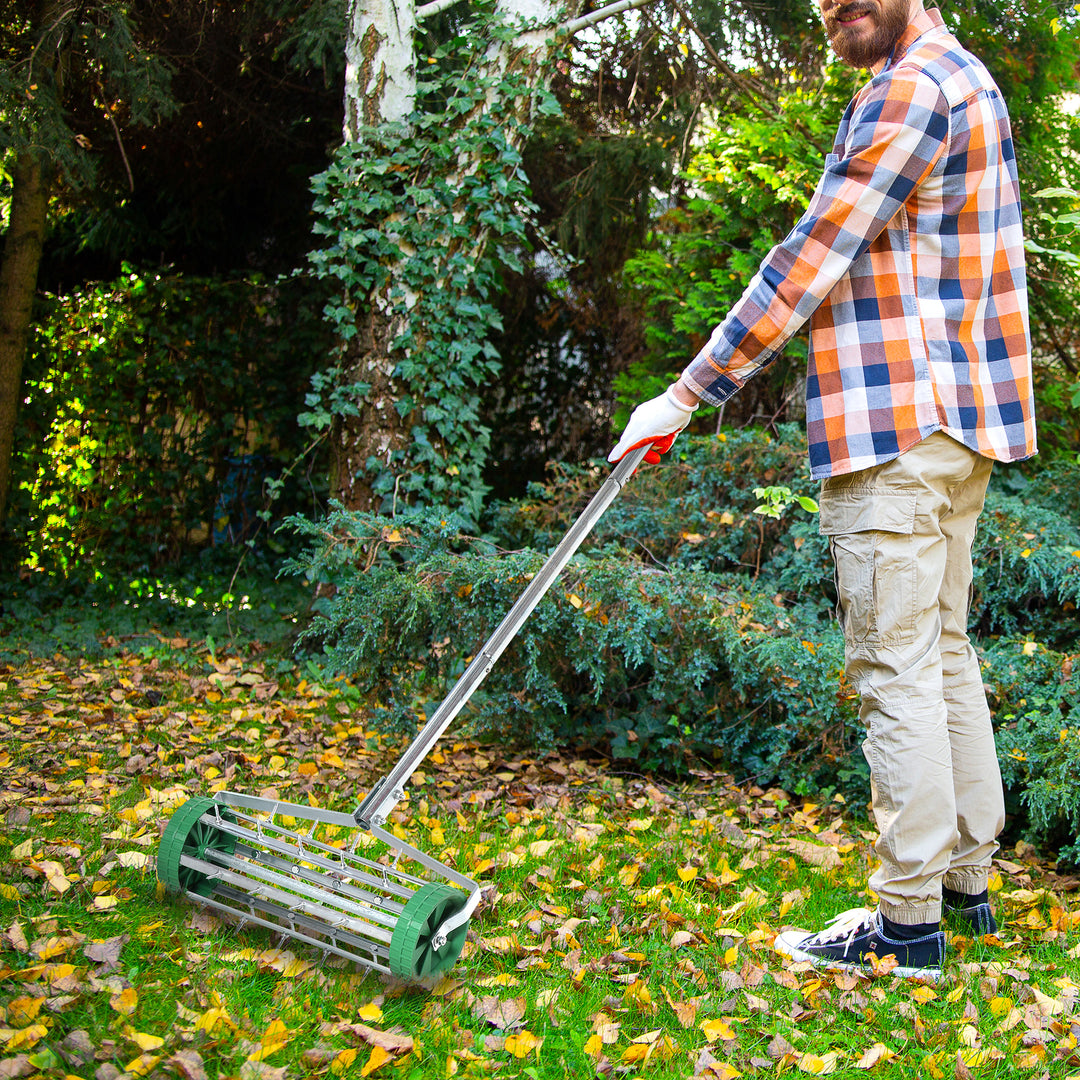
[{"x": 626, "y": 925}]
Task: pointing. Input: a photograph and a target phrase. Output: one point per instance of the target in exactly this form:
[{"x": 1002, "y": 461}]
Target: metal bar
[
  {"x": 235, "y": 872},
  {"x": 382, "y": 909},
  {"x": 377, "y": 956},
  {"x": 340, "y": 861},
  {"x": 376, "y": 808},
  {"x": 275, "y": 808}
]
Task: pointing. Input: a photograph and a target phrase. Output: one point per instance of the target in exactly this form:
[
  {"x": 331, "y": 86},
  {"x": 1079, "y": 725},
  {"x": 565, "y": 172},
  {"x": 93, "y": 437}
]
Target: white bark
[{"x": 380, "y": 72}]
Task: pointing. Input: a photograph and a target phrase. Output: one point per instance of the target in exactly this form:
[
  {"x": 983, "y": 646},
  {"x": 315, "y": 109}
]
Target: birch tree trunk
[{"x": 380, "y": 89}]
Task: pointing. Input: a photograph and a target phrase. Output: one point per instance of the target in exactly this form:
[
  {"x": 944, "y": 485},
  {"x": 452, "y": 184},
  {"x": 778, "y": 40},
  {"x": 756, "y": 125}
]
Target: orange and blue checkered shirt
[{"x": 908, "y": 265}]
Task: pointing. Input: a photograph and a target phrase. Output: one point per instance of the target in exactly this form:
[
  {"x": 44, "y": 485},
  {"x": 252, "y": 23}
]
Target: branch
[
  {"x": 574, "y": 25},
  {"x": 433, "y": 8},
  {"x": 751, "y": 92}
]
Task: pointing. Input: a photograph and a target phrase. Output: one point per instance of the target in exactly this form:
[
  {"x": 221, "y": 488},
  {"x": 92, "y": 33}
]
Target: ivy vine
[{"x": 421, "y": 218}]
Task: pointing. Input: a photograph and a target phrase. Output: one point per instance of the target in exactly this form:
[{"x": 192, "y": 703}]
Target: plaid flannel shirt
[{"x": 909, "y": 266}]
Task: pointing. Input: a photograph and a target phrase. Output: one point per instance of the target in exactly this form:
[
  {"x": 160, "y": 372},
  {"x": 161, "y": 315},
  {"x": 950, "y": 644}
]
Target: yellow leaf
[
  {"x": 137, "y": 859},
  {"x": 1000, "y": 1006},
  {"x": 25, "y": 850},
  {"x": 717, "y": 1029},
  {"x": 972, "y": 1058},
  {"x": 923, "y": 994},
  {"x": 54, "y": 875},
  {"x": 687, "y": 873},
  {"x": 877, "y": 1053},
  {"x": 344, "y": 1060},
  {"x": 594, "y": 1047},
  {"x": 275, "y": 1036},
  {"x": 370, "y": 1012},
  {"x": 539, "y": 848},
  {"x": 637, "y": 993},
  {"x": 722, "y": 1070},
  {"x": 9, "y": 892},
  {"x": 143, "y": 1063},
  {"x": 636, "y": 1053},
  {"x": 211, "y": 1018},
  {"x": 521, "y": 1043},
  {"x": 377, "y": 1058},
  {"x": 818, "y": 1066},
  {"x": 22, "y": 1011},
  {"x": 125, "y": 1001},
  {"x": 146, "y": 1042},
  {"x": 307, "y": 768},
  {"x": 24, "y": 1037},
  {"x": 575, "y": 600}
]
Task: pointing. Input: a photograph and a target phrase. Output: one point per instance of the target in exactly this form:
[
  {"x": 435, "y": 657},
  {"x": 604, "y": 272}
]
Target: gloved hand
[{"x": 656, "y": 421}]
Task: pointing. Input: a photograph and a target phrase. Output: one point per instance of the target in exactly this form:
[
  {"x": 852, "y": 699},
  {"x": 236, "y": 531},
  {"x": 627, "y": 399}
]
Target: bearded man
[{"x": 909, "y": 267}]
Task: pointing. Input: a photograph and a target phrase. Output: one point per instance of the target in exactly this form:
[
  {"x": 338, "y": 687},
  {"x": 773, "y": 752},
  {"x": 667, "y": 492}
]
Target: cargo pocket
[{"x": 871, "y": 539}]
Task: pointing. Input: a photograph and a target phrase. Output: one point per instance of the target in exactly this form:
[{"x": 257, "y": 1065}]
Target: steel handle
[{"x": 376, "y": 807}]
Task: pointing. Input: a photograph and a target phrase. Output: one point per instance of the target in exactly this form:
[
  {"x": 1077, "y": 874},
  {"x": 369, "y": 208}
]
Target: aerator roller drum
[{"x": 296, "y": 870}]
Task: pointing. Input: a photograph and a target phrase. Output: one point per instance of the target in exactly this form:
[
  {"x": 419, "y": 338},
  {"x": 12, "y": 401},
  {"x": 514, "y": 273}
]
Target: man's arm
[{"x": 898, "y": 132}]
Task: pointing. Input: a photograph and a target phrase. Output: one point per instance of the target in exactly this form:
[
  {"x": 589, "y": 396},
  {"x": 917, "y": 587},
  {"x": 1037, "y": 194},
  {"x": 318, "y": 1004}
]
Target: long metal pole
[{"x": 382, "y": 799}]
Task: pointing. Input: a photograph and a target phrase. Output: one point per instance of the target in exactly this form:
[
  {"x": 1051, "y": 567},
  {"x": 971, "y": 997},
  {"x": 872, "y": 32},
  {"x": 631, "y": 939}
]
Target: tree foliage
[
  {"x": 157, "y": 409},
  {"x": 754, "y": 170}
]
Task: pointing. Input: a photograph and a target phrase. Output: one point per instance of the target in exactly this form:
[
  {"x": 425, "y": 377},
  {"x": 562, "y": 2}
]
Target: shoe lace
[{"x": 848, "y": 924}]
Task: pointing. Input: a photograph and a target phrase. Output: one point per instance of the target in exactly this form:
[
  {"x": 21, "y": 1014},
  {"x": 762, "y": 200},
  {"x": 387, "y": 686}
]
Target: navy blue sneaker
[
  {"x": 976, "y": 919},
  {"x": 853, "y": 936}
]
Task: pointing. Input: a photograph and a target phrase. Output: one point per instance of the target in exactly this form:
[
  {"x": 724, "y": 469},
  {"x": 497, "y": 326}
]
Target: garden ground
[{"x": 625, "y": 927}]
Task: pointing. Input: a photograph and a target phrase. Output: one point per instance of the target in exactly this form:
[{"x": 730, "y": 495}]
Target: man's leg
[
  {"x": 980, "y": 803},
  {"x": 891, "y": 530}
]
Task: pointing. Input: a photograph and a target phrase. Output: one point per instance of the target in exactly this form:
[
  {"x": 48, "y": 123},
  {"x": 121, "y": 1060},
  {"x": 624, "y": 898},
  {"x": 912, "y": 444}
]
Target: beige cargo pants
[{"x": 901, "y": 536}]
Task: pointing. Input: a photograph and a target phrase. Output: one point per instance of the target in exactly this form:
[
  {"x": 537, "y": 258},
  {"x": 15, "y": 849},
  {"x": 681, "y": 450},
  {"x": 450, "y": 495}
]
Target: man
[{"x": 908, "y": 265}]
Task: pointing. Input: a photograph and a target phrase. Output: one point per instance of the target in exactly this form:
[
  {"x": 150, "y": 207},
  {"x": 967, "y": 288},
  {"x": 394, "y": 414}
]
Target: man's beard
[{"x": 864, "y": 51}]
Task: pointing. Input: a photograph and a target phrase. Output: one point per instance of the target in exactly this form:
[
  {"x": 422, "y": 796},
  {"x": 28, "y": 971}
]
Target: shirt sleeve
[{"x": 897, "y": 134}]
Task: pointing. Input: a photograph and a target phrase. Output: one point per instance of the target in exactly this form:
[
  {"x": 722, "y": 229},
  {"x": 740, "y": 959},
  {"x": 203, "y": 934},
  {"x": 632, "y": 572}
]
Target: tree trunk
[
  {"x": 18, "y": 282},
  {"x": 382, "y": 90}
]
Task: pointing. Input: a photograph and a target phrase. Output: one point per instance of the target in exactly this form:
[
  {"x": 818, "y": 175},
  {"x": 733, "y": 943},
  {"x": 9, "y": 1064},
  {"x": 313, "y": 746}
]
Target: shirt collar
[{"x": 927, "y": 20}]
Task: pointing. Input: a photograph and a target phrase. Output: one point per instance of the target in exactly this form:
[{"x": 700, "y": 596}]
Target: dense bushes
[
  {"x": 691, "y": 628},
  {"x": 156, "y": 406}
]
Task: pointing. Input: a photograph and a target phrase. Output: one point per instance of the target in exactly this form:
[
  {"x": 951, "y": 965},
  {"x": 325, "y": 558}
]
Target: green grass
[{"x": 616, "y": 908}]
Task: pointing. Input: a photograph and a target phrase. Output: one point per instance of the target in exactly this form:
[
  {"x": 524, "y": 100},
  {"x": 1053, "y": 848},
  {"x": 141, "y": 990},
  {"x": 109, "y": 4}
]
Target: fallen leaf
[
  {"x": 818, "y": 1066},
  {"x": 125, "y": 1001},
  {"x": 22, "y": 1011},
  {"x": 189, "y": 1064},
  {"x": 877, "y": 1053},
  {"x": 522, "y": 1043},
  {"x": 376, "y": 1059}
]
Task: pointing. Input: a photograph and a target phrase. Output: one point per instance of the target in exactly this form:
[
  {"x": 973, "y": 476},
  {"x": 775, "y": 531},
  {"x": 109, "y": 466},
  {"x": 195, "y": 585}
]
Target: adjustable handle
[{"x": 390, "y": 790}]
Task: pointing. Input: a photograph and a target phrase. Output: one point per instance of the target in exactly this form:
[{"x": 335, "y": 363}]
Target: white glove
[{"x": 657, "y": 421}]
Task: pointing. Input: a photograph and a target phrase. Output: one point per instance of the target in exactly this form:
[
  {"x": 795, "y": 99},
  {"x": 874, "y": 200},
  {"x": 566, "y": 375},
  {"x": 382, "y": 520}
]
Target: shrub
[
  {"x": 1036, "y": 692},
  {"x": 663, "y": 667},
  {"x": 690, "y": 627},
  {"x": 156, "y": 405}
]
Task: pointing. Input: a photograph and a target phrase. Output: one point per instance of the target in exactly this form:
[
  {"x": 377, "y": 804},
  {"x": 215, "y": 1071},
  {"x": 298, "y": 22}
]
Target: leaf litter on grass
[{"x": 625, "y": 928}]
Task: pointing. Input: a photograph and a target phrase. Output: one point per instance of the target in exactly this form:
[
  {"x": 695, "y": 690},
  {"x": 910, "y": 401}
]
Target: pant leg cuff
[{"x": 969, "y": 882}]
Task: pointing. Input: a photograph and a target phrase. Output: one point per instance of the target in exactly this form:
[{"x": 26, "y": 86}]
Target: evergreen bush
[{"x": 693, "y": 626}]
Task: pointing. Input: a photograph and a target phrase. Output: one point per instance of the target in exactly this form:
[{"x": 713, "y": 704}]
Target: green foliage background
[
  {"x": 693, "y": 629},
  {"x": 156, "y": 409}
]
